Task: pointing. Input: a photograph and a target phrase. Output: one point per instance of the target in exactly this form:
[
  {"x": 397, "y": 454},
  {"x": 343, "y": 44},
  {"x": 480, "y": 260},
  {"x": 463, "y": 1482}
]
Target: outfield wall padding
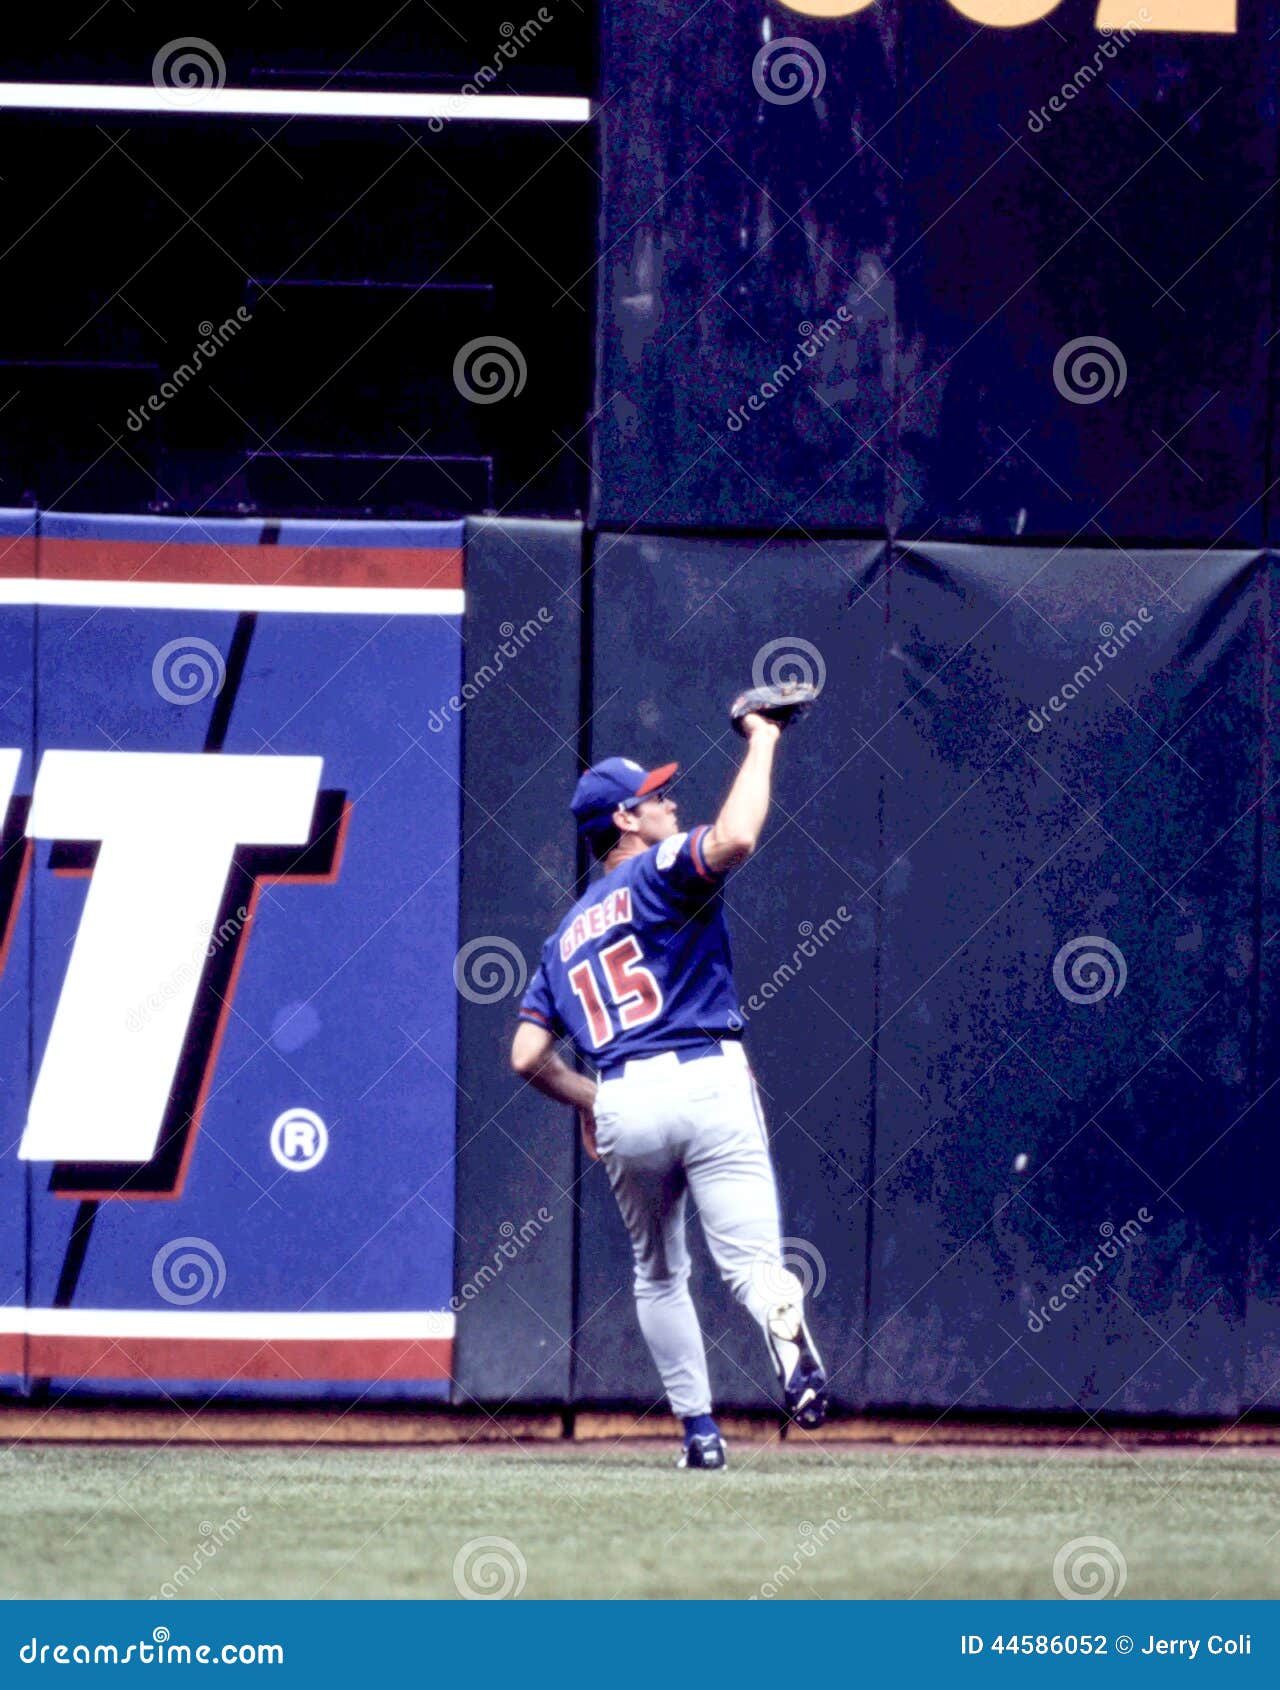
[
  {"x": 665, "y": 666},
  {"x": 518, "y": 1205},
  {"x": 1021, "y": 1107},
  {"x": 1006, "y": 957}
]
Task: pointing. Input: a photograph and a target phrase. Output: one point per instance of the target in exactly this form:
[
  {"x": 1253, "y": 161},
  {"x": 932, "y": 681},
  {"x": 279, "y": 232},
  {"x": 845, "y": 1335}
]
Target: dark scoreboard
[
  {"x": 365, "y": 253},
  {"x": 980, "y": 186}
]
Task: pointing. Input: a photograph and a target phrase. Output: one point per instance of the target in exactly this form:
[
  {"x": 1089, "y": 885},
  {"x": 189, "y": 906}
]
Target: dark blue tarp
[
  {"x": 1019, "y": 1104},
  {"x": 915, "y": 187}
]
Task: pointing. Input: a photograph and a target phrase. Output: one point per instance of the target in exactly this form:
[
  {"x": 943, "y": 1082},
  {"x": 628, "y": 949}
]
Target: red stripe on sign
[
  {"x": 12, "y": 1355},
  {"x": 293, "y": 1360},
  {"x": 17, "y": 556},
  {"x": 242, "y": 566},
  {"x": 15, "y": 903}
]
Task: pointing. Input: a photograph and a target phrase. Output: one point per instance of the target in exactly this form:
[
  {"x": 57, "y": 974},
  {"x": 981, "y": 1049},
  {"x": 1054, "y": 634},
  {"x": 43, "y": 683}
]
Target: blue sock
[{"x": 698, "y": 1426}]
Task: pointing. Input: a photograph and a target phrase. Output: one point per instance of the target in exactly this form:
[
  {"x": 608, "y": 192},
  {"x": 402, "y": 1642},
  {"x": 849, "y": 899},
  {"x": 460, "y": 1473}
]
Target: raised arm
[{"x": 736, "y": 829}]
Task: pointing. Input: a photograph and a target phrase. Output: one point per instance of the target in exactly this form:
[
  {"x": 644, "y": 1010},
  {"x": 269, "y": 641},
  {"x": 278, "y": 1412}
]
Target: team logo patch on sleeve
[{"x": 669, "y": 850}]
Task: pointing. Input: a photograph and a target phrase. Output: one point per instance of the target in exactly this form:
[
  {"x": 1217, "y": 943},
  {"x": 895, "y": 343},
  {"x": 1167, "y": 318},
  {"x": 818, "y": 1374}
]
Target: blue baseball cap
[{"x": 617, "y": 780}]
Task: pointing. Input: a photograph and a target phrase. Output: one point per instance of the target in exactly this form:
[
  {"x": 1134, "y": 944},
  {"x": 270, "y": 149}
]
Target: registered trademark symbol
[{"x": 299, "y": 1139}]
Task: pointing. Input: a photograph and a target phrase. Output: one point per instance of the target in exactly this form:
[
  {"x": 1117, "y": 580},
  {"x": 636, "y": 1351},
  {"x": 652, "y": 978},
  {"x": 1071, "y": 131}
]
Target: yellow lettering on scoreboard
[
  {"x": 1005, "y": 14},
  {"x": 1172, "y": 17},
  {"x": 1169, "y": 17},
  {"x": 827, "y": 8}
]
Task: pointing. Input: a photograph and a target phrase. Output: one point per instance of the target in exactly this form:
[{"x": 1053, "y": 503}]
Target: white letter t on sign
[{"x": 169, "y": 824}]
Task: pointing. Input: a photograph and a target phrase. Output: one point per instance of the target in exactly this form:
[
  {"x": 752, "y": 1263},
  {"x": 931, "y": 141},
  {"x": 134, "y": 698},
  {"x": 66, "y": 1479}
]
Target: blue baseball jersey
[{"x": 641, "y": 963}]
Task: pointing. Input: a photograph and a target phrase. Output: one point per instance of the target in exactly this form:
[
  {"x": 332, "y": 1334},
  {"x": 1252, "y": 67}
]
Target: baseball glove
[{"x": 781, "y": 703}]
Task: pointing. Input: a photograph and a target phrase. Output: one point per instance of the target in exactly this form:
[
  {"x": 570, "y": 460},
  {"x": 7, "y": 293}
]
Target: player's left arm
[{"x": 534, "y": 1058}]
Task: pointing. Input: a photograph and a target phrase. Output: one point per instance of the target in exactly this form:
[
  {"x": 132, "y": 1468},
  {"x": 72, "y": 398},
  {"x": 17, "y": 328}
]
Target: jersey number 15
[{"x": 636, "y": 994}]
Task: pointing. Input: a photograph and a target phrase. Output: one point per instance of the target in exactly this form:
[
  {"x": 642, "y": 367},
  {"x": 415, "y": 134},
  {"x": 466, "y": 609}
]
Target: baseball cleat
[
  {"x": 705, "y": 1449},
  {"x": 799, "y": 1366},
  {"x": 806, "y": 1394}
]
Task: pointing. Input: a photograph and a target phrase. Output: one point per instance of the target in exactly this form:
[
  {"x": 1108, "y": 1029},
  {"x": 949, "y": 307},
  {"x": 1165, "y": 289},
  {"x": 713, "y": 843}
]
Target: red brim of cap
[{"x": 656, "y": 778}]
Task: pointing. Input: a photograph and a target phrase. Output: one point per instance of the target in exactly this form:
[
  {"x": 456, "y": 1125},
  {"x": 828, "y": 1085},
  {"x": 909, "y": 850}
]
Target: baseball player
[{"x": 638, "y": 977}]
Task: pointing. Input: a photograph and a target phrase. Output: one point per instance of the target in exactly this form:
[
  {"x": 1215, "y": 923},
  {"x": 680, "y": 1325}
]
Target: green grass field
[{"x": 610, "y": 1521}]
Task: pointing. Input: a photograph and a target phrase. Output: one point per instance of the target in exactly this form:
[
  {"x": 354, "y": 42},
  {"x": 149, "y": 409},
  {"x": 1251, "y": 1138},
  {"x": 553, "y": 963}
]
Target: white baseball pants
[{"x": 666, "y": 1128}]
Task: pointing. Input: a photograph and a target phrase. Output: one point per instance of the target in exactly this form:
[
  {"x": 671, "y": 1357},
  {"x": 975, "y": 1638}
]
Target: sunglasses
[{"x": 658, "y": 793}]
